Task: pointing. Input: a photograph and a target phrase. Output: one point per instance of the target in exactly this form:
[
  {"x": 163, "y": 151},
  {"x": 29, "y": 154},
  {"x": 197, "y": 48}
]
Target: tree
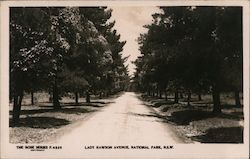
[
  {"x": 74, "y": 82},
  {"x": 44, "y": 41},
  {"x": 29, "y": 52},
  {"x": 230, "y": 37},
  {"x": 183, "y": 42},
  {"x": 112, "y": 75}
]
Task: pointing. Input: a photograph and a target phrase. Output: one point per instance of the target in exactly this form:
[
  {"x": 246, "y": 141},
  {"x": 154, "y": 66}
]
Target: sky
[{"x": 129, "y": 24}]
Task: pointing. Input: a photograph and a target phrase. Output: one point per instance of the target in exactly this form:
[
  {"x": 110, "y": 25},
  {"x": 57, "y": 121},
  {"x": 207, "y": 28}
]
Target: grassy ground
[
  {"x": 198, "y": 122},
  {"x": 40, "y": 123}
]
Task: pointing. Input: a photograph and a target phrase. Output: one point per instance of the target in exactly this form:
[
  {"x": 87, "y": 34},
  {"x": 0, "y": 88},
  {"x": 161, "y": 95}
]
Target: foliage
[
  {"x": 192, "y": 49},
  {"x": 60, "y": 49}
]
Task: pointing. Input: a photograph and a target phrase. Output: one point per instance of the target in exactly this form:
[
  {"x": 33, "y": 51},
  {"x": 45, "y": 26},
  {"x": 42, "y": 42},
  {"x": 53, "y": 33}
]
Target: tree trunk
[
  {"x": 32, "y": 97},
  {"x": 160, "y": 94},
  {"x": 56, "y": 103},
  {"x": 216, "y": 100},
  {"x": 87, "y": 97},
  {"x": 100, "y": 95},
  {"x": 17, "y": 107},
  {"x": 189, "y": 98},
  {"x": 237, "y": 98},
  {"x": 150, "y": 93},
  {"x": 176, "y": 97},
  {"x": 76, "y": 97},
  {"x": 166, "y": 95},
  {"x": 199, "y": 97},
  {"x": 50, "y": 96},
  {"x": 10, "y": 97},
  {"x": 109, "y": 93},
  {"x": 181, "y": 95}
]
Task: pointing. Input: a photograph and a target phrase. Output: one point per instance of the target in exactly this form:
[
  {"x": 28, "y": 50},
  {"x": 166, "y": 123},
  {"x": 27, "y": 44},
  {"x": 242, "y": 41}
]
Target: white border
[{"x": 181, "y": 150}]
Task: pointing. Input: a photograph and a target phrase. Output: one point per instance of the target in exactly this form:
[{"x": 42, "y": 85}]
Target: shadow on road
[
  {"x": 157, "y": 117},
  {"x": 147, "y": 115}
]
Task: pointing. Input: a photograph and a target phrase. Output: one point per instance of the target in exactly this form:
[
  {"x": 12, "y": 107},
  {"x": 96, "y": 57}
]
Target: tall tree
[
  {"x": 45, "y": 42},
  {"x": 192, "y": 48}
]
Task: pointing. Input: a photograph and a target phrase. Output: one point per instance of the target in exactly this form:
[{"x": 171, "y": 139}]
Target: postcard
[{"x": 124, "y": 79}]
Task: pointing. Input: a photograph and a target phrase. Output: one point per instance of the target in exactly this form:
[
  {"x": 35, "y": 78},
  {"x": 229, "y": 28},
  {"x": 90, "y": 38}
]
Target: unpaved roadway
[{"x": 127, "y": 121}]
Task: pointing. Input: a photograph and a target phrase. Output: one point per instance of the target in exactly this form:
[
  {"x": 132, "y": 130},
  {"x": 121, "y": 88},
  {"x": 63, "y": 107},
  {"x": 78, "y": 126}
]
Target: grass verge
[
  {"x": 40, "y": 123},
  {"x": 198, "y": 122}
]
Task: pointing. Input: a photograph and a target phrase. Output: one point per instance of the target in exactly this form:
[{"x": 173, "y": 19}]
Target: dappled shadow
[
  {"x": 193, "y": 100},
  {"x": 92, "y": 104},
  {"x": 158, "y": 104},
  {"x": 166, "y": 108},
  {"x": 146, "y": 115},
  {"x": 81, "y": 104},
  {"x": 187, "y": 116},
  {"x": 202, "y": 106},
  {"x": 221, "y": 135},
  {"x": 34, "y": 111},
  {"x": 149, "y": 105},
  {"x": 175, "y": 107},
  {"x": 74, "y": 110},
  {"x": 240, "y": 114},
  {"x": 230, "y": 106},
  {"x": 63, "y": 110},
  {"x": 230, "y": 116},
  {"x": 65, "y": 104},
  {"x": 40, "y": 122},
  {"x": 202, "y": 102},
  {"x": 102, "y": 102}
]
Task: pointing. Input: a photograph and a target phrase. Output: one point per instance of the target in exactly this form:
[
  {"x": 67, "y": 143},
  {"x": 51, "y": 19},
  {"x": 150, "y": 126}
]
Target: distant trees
[
  {"x": 63, "y": 49},
  {"x": 192, "y": 49}
]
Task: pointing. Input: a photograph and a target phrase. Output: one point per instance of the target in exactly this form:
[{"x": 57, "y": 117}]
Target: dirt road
[{"x": 126, "y": 121}]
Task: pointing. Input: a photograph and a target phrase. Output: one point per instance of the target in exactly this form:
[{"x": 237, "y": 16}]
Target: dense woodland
[
  {"x": 192, "y": 50},
  {"x": 64, "y": 50}
]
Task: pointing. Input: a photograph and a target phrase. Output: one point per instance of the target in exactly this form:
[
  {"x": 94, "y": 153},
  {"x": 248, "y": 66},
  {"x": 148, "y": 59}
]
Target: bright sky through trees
[{"x": 129, "y": 23}]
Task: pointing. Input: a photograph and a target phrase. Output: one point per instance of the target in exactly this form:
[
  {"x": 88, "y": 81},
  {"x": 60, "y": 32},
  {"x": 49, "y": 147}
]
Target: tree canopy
[
  {"x": 192, "y": 49},
  {"x": 63, "y": 49}
]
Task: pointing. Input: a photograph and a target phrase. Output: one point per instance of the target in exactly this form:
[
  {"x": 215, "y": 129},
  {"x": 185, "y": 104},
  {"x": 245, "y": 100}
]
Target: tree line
[
  {"x": 64, "y": 49},
  {"x": 192, "y": 50}
]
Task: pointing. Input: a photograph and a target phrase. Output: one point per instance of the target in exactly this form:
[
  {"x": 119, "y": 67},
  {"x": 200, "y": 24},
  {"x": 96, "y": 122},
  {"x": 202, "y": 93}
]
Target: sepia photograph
[{"x": 138, "y": 80}]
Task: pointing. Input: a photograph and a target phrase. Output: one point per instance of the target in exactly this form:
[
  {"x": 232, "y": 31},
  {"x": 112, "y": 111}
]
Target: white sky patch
[{"x": 129, "y": 23}]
